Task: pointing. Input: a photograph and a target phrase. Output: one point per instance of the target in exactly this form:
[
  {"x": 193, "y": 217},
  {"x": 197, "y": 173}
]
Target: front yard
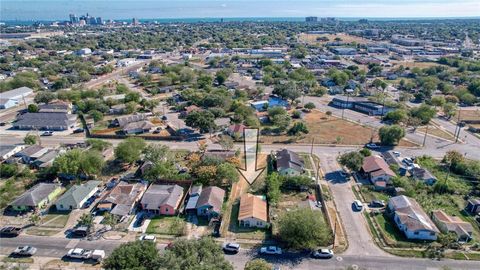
[
  {"x": 166, "y": 225},
  {"x": 245, "y": 232}
]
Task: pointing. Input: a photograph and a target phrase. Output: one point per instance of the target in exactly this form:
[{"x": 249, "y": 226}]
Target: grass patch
[
  {"x": 370, "y": 194},
  {"x": 245, "y": 232},
  {"x": 54, "y": 220},
  {"x": 166, "y": 225},
  {"x": 407, "y": 253},
  {"x": 17, "y": 260},
  {"x": 39, "y": 231},
  {"x": 436, "y": 132}
]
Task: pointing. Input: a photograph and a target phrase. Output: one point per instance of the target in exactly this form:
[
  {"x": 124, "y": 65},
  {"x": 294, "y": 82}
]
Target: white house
[
  {"x": 411, "y": 219},
  {"x": 252, "y": 212}
]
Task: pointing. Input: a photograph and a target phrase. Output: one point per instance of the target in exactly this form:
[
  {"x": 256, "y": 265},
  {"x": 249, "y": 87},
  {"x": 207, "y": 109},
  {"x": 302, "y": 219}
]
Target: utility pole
[
  {"x": 425, "y": 138},
  {"x": 311, "y": 149},
  {"x": 458, "y": 126}
]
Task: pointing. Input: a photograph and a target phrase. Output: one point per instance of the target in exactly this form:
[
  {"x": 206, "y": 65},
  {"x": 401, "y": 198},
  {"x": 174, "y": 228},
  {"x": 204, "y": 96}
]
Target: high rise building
[
  {"x": 311, "y": 19},
  {"x": 135, "y": 21}
]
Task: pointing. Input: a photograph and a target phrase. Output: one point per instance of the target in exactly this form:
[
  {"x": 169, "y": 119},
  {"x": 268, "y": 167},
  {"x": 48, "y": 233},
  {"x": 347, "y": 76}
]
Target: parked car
[
  {"x": 271, "y": 250},
  {"x": 396, "y": 153},
  {"x": 80, "y": 232},
  {"x": 47, "y": 133},
  {"x": 357, "y": 205},
  {"x": 408, "y": 161},
  {"x": 148, "y": 237},
  {"x": 24, "y": 251},
  {"x": 79, "y": 253},
  {"x": 10, "y": 231},
  {"x": 377, "y": 203},
  {"x": 322, "y": 254},
  {"x": 79, "y": 130},
  {"x": 140, "y": 220},
  {"x": 372, "y": 146},
  {"x": 231, "y": 247}
]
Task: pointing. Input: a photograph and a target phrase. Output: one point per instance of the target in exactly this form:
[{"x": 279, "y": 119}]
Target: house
[
  {"x": 7, "y": 151},
  {"x": 236, "y": 130},
  {"x": 45, "y": 121},
  {"x": 473, "y": 206},
  {"x": 36, "y": 198},
  {"x": 162, "y": 199},
  {"x": 423, "y": 175},
  {"x": 55, "y": 107},
  {"x": 31, "y": 153},
  {"x": 124, "y": 120},
  {"x": 377, "y": 171},
  {"x": 187, "y": 110},
  {"x": 289, "y": 163},
  {"x": 121, "y": 200},
  {"x": 76, "y": 196},
  {"x": 138, "y": 127},
  {"x": 193, "y": 195},
  {"x": 253, "y": 211},
  {"x": 46, "y": 160},
  {"x": 117, "y": 109},
  {"x": 411, "y": 219},
  {"x": 452, "y": 224},
  {"x": 13, "y": 97},
  {"x": 210, "y": 202}
]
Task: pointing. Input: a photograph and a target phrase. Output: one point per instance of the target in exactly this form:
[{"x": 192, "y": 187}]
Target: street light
[{"x": 349, "y": 91}]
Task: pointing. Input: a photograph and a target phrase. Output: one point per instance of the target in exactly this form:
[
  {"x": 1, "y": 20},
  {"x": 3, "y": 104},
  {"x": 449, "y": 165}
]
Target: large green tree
[
  {"x": 303, "y": 229},
  {"x": 129, "y": 150},
  {"x": 138, "y": 255},
  {"x": 352, "y": 160},
  {"x": 203, "y": 120},
  {"x": 258, "y": 264},
  {"x": 391, "y": 135}
]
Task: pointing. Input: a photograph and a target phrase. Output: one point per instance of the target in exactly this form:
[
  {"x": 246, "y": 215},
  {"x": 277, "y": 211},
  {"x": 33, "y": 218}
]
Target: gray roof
[
  {"x": 77, "y": 193},
  {"x": 18, "y": 92},
  {"x": 411, "y": 214},
  {"x": 212, "y": 196},
  {"x": 35, "y": 195},
  {"x": 144, "y": 125},
  {"x": 158, "y": 195},
  {"x": 122, "y": 121},
  {"x": 197, "y": 189},
  {"x": 4, "y": 149},
  {"x": 289, "y": 159},
  {"x": 31, "y": 150},
  {"x": 423, "y": 174},
  {"x": 49, "y": 156},
  {"x": 45, "y": 120},
  {"x": 55, "y": 107}
]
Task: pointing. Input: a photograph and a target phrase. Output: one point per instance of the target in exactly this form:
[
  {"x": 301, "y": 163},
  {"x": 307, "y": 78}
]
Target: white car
[
  {"x": 408, "y": 161},
  {"x": 79, "y": 253},
  {"x": 358, "y": 205},
  {"x": 148, "y": 237},
  {"x": 396, "y": 153},
  {"x": 24, "y": 251},
  {"x": 231, "y": 247},
  {"x": 372, "y": 146},
  {"x": 271, "y": 250},
  {"x": 322, "y": 254}
]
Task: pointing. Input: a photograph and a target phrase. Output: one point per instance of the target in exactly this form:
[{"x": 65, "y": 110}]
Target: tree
[
  {"x": 44, "y": 97},
  {"x": 365, "y": 152},
  {"x": 8, "y": 170},
  {"x": 139, "y": 255},
  {"x": 30, "y": 139},
  {"x": 110, "y": 220},
  {"x": 298, "y": 127},
  {"x": 32, "y": 108},
  {"x": 226, "y": 142},
  {"x": 352, "y": 160},
  {"x": 203, "y": 120},
  {"x": 35, "y": 218},
  {"x": 303, "y": 229},
  {"x": 396, "y": 116},
  {"x": 97, "y": 144},
  {"x": 194, "y": 254},
  {"x": 258, "y": 264},
  {"x": 425, "y": 113},
  {"x": 289, "y": 90},
  {"x": 96, "y": 115},
  {"x": 449, "y": 109},
  {"x": 274, "y": 182},
  {"x": 309, "y": 106},
  {"x": 129, "y": 150},
  {"x": 85, "y": 219},
  {"x": 391, "y": 135},
  {"x": 438, "y": 101},
  {"x": 77, "y": 162},
  {"x": 91, "y": 162},
  {"x": 227, "y": 171}
]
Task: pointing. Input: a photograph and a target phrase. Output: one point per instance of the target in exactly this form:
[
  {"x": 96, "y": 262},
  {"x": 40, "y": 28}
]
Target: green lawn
[
  {"x": 392, "y": 235},
  {"x": 243, "y": 232},
  {"x": 166, "y": 225},
  {"x": 17, "y": 260},
  {"x": 54, "y": 220},
  {"x": 39, "y": 231},
  {"x": 371, "y": 195}
]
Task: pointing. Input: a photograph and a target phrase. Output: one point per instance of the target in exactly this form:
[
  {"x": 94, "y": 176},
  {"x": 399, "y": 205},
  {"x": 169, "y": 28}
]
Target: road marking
[
  {"x": 72, "y": 243},
  {"x": 339, "y": 258}
]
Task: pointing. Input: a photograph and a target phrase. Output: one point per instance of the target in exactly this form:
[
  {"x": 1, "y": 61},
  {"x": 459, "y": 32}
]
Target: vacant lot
[
  {"x": 325, "y": 129},
  {"x": 435, "y": 131},
  {"x": 54, "y": 220},
  {"x": 312, "y": 38},
  {"x": 166, "y": 225},
  {"x": 469, "y": 115}
]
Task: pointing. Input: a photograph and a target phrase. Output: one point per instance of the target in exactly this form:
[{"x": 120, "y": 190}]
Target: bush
[{"x": 8, "y": 170}]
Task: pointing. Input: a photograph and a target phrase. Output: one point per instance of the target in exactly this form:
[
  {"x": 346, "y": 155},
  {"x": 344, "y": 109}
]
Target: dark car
[
  {"x": 79, "y": 130},
  {"x": 377, "y": 203},
  {"x": 10, "y": 231},
  {"x": 140, "y": 220},
  {"x": 80, "y": 232}
]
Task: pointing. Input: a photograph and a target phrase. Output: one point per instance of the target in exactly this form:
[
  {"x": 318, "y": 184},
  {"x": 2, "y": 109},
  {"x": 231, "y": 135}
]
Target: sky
[{"x": 149, "y": 9}]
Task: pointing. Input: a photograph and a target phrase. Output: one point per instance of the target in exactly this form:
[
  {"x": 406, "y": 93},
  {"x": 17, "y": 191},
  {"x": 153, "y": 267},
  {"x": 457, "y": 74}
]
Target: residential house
[
  {"x": 36, "y": 198},
  {"x": 289, "y": 163},
  {"x": 46, "y": 160},
  {"x": 193, "y": 195},
  {"x": 121, "y": 200},
  {"x": 162, "y": 199},
  {"x": 411, "y": 219},
  {"x": 252, "y": 211},
  {"x": 473, "y": 206},
  {"x": 138, "y": 127},
  {"x": 117, "y": 109},
  {"x": 377, "y": 171},
  {"x": 45, "y": 121},
  {"x": 31, "y": 153},
  {"x": 55, "y": 107},
  {"x": 236, "y": 130},
  {"x": 76, "y": 196},
  {"x": 210, "y": 202},
  {"x": 7, "y": 151},
  {"x": 452, "y": 224},
  {"x": 423, "y": 175},
  {"x": 187, "y": 110},
  {"x": 124, "y": 120}
]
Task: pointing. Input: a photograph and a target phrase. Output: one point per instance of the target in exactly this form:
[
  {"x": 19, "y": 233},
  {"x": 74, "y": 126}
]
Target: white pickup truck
[{"x": 86, "y": 254}]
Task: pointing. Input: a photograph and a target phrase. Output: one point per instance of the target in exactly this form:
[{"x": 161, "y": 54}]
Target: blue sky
[{"x": 123, "y": 9}]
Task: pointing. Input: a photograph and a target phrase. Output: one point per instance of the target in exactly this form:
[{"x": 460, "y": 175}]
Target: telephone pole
[{"x": 425, "y": 138}]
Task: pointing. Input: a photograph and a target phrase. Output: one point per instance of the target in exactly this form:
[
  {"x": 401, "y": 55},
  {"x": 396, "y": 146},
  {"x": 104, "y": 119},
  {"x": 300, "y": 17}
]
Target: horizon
[{"x": 55, "y": 10}]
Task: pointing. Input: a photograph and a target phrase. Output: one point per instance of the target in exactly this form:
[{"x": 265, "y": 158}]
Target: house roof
[
  {"x": 49, "y": 156},
  {"x": 158, "y": 195},
  {"x": 77, "y": 193},
  {"x": 411, "y": 214},
  {"x": 452, "y": 223},
  {"x": 122, "y": 121},
  {"x": 144, "y": 125},
  {"x": 375, "y": 165},
  {"x": 252, "y": 207},
  {"x": 212, "y": 196},
  {"x": 21, "y": 91},
  {"x": 236, "y": 128},
  {"x": 474, "y": 201},
  {"x": 421, "y": 173},
  {"x": 32, "y": 150},
  {"x": 58, "y": 106},
  {"x": 288, "y": 159},
  {"x": 124, "y": 194},
  {"x": 35, "y": 195},
  {"x": 42, "y": 119},
  {"x": 197, "y": 189}
]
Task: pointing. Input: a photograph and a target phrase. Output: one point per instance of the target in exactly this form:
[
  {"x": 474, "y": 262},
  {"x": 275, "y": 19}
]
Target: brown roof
[
  {"x": 252, "y": 207},
  {"x": 411, "y": 214},
  {"x": 453, "y": 224},
  {"x": 236, "y": 128},
  {"x": 376, "y": 165},
  {"x": 212, "y": 196}
]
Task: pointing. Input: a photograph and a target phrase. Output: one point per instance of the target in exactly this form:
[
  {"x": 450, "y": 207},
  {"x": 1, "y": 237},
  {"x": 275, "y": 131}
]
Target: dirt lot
[
  {"x": 331, "y": 130},
  {"x": 412, "y": 64},
  {"x": 466, "y": 115},
  {"x": 312, "y": 38},
  {"x": 435, "y": 131}
]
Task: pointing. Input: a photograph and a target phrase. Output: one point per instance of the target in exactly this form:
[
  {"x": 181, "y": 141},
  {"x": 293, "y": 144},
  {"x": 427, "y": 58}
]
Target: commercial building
[
  {"x": 13, "y": 97},
  {"x": 45, "y": 121}
]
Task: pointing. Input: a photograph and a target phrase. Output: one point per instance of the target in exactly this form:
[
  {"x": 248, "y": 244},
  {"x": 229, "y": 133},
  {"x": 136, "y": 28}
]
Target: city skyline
[{"x": 145, "y": 9}]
